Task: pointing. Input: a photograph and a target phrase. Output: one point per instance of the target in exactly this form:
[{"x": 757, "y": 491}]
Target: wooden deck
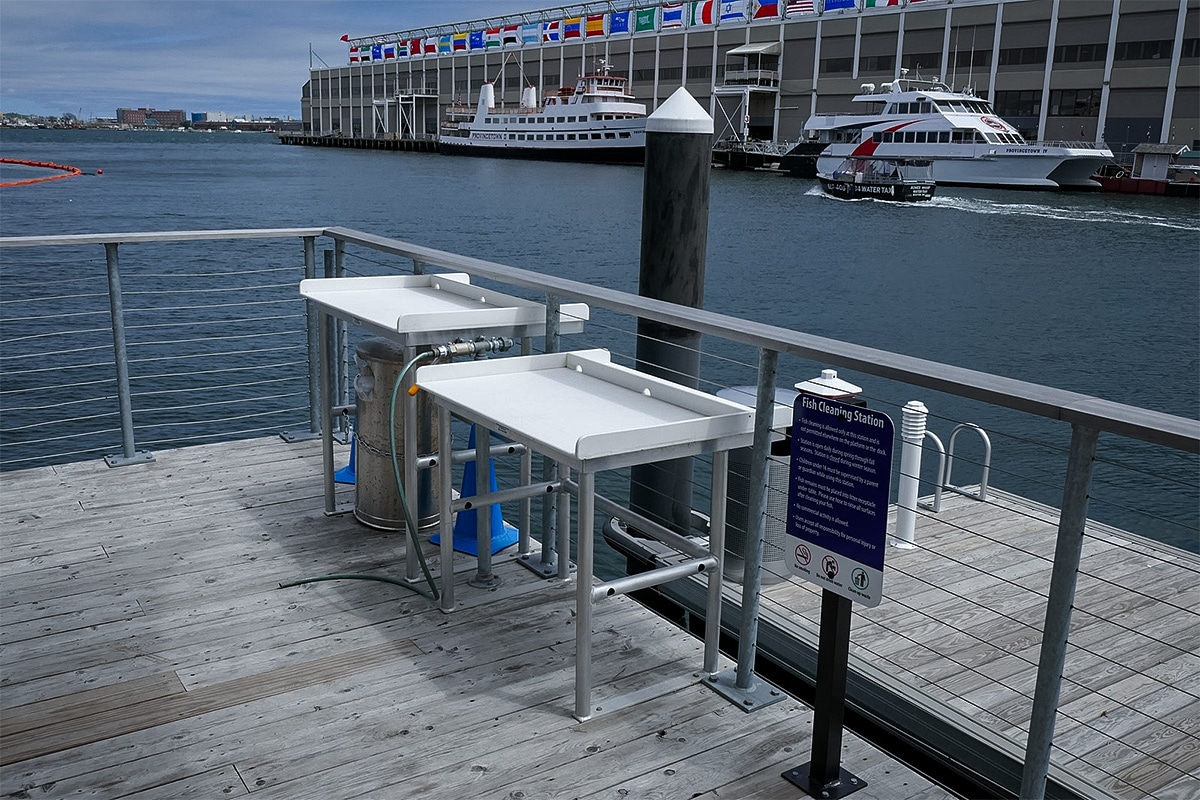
[
  {"x": 959, "y": 634},
  {"x": 147, "y": 651}
]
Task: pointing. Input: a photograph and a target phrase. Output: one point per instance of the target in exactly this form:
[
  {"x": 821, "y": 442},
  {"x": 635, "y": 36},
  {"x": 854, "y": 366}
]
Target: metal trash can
[
  {"x": 738, "y": 497},
  {"x": 377, "y": 500}
]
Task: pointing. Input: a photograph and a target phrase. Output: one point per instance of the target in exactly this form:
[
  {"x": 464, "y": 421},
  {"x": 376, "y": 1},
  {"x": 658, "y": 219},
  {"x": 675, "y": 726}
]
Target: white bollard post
[{"x": 912, "y": 432}]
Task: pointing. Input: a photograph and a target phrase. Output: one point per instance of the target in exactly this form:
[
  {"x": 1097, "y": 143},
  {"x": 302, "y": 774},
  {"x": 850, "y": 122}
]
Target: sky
[{"x": 241, "y": 57}]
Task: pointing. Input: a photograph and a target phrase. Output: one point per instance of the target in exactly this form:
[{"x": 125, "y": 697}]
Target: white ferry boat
[
  {"x": 960, "y": 133},
  {"x": 596, "y": 120}
]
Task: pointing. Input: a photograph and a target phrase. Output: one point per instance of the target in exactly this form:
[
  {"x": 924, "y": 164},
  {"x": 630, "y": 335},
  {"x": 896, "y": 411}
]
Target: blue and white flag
[
  {"x": 672, "y": 15},
  {"x": 618, "y": 22},
  {"x": 733, "y": 12},
  {"x": 531, "y": 34}
]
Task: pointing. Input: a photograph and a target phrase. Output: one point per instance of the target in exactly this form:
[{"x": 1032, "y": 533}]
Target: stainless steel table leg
[
  {"x": 445, "y": 517},
  {"x": 716, "y": 547},
  {"x": 583, "y": 597}
]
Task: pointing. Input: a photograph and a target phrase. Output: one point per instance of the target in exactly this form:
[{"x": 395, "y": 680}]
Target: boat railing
[
  {"x": 151, "y": 341},
  {"x": 1072, "y": 144}
]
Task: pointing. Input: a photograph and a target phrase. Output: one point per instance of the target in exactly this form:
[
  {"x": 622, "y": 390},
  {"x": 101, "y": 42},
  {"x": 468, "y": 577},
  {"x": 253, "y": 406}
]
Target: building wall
[
  {"x": 143, "y": 117},
  {"x": 1118, "y": 71}
]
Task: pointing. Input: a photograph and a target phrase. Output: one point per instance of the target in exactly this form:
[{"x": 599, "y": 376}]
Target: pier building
[{"x": 1122, "y": 72}]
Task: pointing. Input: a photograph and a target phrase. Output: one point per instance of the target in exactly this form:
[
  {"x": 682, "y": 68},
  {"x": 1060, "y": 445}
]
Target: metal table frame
[
  {"x": 590, "y": 415},
  {"x": 418, "y": 311}
]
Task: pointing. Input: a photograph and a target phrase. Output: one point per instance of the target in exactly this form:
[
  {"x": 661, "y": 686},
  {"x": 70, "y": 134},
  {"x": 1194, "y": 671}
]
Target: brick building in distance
[{"x": 150, "y": 118}]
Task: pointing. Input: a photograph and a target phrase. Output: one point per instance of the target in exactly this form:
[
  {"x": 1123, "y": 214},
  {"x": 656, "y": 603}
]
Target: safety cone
[
  {"x": 346, "y": 473},
  {"x": 466, "y": 539}
]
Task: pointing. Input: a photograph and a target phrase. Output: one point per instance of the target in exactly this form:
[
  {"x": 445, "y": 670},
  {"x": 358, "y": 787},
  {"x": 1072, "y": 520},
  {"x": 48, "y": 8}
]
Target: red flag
[{"x": 345, "y": 37}]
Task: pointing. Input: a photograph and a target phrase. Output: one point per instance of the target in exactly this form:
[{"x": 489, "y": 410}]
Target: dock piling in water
[{"x": 674, "y": 246}]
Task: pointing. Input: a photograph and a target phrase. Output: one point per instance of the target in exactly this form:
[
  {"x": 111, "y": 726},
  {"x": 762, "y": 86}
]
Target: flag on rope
[
  {"x": 733, "y": 12},
  {"x": 700, "y": 12},
  {"x": 646, "y": 20},
  {"x": 672, "y": 15},
  {"x": 766, "y": 9}
]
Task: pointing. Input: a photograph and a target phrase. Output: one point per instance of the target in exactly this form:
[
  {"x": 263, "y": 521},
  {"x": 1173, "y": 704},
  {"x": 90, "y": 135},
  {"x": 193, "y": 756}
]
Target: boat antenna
[
  {"x": 954, "y": 62},
  {"x": 971, "y": 63}
]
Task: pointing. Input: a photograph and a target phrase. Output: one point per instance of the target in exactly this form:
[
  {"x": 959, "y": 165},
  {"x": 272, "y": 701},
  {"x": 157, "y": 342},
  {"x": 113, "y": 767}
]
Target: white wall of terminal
[{"x": 1117, "y": 71}]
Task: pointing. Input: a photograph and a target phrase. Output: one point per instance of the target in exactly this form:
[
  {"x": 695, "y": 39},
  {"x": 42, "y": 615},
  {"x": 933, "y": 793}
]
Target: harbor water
[{"x": 1090, "y": 292}]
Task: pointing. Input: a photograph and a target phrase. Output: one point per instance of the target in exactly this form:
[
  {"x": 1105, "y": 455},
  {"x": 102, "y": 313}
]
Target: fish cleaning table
[
  {"x": 590, "y": 415},
  {"x": 416, "y": 312}
]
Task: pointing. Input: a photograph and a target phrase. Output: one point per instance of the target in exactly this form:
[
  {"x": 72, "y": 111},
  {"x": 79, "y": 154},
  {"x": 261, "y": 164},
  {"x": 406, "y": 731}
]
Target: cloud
[{"x": 239, "y": 57}]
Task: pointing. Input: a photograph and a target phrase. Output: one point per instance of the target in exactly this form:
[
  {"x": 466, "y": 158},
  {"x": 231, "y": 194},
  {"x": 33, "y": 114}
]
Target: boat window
[
  {"x": 624, "y": 134},
  {"x": 559, "y": 137},
  {"x": 610, "y": 135},
  {"x": 571, "y": 136},
  {"x": 920, "y": 137},
  {"x": 938, "y": 106},
  {"x": 595, "y": 136},
  {"x": 992, "y": 138},
  {"x": 560, "y": 119},
  {"x": 910, "y": 137},
  {"x": 512, "y": 136},
  {"x": 926, "y": 108},
  {"x": 979, "y": 138},
  {"x": 877, "y": 137}
]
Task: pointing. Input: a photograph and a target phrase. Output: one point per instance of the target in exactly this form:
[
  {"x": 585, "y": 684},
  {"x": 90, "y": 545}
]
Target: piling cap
[
  {"x": 680, "y": 114},
  {"x": 829, "y": 385}
]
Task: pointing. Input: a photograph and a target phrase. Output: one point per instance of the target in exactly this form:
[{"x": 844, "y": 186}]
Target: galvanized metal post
[
  {"x": 546, "y": 564},
  {"x": 1063, "y": 578},
  {"x": 484, "y": 577},
  {"x": 315, "y": 411},
  {"x": 583, "y": 596},
  {"x": 741, "y": 687},
  {"x": 674, "y": 245},
  {"x": 129, "y": 453}
]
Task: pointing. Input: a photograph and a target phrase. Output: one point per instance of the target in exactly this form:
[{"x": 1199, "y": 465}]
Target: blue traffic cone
[
  {"x": 466, "y": 539},
  {"x": 346, "y": 473}
]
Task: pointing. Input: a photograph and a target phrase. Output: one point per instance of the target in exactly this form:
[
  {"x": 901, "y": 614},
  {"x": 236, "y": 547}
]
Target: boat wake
[{"x": 1108, "y": 215}]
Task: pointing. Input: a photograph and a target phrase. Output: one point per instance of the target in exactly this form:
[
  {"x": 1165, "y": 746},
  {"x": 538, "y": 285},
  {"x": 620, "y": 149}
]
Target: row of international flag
[{"x": 669, "y": 15}]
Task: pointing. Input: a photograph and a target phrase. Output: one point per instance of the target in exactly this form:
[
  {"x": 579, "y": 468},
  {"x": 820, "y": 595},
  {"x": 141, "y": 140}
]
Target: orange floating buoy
[{"x": 69, "y": 171}]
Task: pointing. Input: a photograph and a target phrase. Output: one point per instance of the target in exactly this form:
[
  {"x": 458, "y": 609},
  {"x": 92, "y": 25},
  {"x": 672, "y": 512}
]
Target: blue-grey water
[{"x": 1091, "y": 292}]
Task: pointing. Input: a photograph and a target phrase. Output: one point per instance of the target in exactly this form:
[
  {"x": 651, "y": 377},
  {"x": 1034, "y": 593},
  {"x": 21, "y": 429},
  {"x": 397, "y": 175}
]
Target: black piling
[{"x": 674, "y": 244}]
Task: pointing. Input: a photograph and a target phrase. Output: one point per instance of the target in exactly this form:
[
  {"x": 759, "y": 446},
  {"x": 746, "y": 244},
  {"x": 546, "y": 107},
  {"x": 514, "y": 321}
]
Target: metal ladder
[{"x": 946, "y": 465}]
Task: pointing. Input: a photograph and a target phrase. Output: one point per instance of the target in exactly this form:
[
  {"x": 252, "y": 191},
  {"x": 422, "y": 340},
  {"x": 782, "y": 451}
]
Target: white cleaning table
[{"x": 590, "y": 415}]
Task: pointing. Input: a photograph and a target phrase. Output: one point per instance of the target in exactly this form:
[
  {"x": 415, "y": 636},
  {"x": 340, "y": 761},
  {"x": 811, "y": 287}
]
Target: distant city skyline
[{"x": 244, "y": 59}]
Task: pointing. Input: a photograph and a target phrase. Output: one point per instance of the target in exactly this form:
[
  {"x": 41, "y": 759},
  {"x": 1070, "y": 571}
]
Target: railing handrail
[
  {"x": 143, "y": 237},
  {"x": 1072, "y": 407},
  {"x": 1075, "y": 408}
]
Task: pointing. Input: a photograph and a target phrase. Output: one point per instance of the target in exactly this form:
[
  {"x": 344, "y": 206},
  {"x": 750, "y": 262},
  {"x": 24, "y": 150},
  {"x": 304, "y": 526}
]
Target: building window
[
  {"x": 920, "y": 61},
  {"x": 1143, "y": 51},
  {"x": 699, "y": 72},
  {"x": 1080, "y": 53},
  {"x": 1022, "y": 56},
  {"x": 877, "y": 63},
  {"x": 966, "y": 59},
  {"x": 832, "y": 65},
  {"x": 1018, "y": 103},
  {"x": 1075, "y": 102}
]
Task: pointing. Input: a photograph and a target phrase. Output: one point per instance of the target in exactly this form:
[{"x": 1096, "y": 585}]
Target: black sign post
[{"x": 837, "y": 511}]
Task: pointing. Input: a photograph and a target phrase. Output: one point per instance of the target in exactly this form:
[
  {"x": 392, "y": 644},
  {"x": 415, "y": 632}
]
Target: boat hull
[
  {"x": 587, "y": 155},
  {"x": 896, "y": 192},
  {"x": 1011, "y": 168}
]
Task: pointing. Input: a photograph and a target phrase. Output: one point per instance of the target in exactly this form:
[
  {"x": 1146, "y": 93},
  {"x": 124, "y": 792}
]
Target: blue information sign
[{"x": 838, "y": 488}]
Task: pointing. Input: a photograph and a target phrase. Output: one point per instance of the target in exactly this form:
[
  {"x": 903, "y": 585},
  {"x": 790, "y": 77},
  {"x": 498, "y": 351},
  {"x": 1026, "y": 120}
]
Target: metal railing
[{"x": 740, "y": 351}]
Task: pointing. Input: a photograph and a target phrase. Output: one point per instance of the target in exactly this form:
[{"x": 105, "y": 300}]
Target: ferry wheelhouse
[
  {"x": 595, "y": 120},
  {"x": 959, "y": 132}
]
